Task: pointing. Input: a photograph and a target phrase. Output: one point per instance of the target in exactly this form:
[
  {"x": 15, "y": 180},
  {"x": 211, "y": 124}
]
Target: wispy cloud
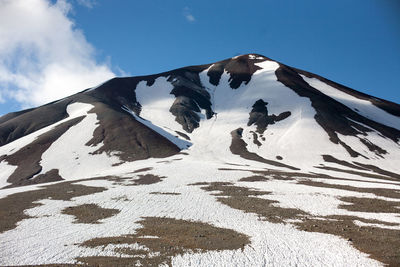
[
  {"x": 188, "y": 15},
  {"x": 87, "y": 3},
  {"x": 43, "y": 56}
]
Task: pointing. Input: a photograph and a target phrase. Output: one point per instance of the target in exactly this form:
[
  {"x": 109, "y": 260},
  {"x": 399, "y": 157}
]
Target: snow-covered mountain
[{"x": 242, "y": 162}]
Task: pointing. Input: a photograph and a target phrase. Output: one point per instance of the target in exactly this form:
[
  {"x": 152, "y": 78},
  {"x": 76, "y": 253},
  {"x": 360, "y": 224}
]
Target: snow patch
[
  {"x": 361, "y": 106},
  {"x": 78, "y": 159}
]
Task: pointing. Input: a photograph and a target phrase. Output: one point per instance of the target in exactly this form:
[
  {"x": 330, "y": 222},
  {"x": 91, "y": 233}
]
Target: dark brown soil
[
  {"x": 12, "y": 207},
  {"x": 360, "y": 166},
  {"x": 119, "y": 131},
  {"x": 89, "y": 213},
  {"x": 147, "y": 179},
  {"x": 199, "y": 183},
  {"x": 165, "y": 193},
  {"x": 255, "y": 178},
  {"x": 362, "y": 174},
  {"x": 370, "y": 205},
  {"x": 53, "y": 265},
  {"x": 378, "y": 170},
  {"x": 238, "y": 147},
  {"x": 384, "y": 192},
  {"x": 282, "y": 175},
  {"x": 243, "y": 198},
  {"x": 143, "y": 170},
  {"x": 381, "y": 244},
  {"x": 173, "y": 237},
  {"x": 27, "y": 158}
]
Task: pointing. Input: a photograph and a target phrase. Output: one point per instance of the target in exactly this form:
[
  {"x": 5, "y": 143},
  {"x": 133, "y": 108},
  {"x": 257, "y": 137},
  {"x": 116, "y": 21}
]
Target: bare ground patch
[
  {"x": 12, "y": 207},
  {"x": 286, "y": 175},
  {"x": 27, "y": 159},
  {"x": 147, "y": 179},
  {"x": 238, "y": 147},
  {"x": 381, "y": 244},
  {"x": 370, "y": 205},
  {"x": 254, "y": 178},
  {"x": 165, "y": 193},
  {"x": 361, "y": 166},
  {"x": 52, "y": 265},
  {"x": 168, "y": 237},
  {"x": 245, "y": 199},
  {"x": 115, "y": 123},
  {"x": 144, "y": 179},
  {"x": 89, "y": 213},
  {"x": 143, "y": 170},
  {"x": 359, "y": 173},
  {"x": 384, "y": 192}
]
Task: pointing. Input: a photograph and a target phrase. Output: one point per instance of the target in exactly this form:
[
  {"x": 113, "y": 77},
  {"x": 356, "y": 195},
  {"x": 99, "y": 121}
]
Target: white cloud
[
  {"x": 43, "y": 56},
  {"x": 188, "y": 15}
]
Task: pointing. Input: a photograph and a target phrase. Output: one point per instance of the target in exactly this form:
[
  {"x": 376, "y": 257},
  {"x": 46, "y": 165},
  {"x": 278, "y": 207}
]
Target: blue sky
[{"x": 356, "y": 43}]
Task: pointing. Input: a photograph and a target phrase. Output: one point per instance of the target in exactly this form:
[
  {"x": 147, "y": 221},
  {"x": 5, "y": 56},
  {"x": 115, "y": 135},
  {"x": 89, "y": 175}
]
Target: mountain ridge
[{"x": 116, "y": 101}]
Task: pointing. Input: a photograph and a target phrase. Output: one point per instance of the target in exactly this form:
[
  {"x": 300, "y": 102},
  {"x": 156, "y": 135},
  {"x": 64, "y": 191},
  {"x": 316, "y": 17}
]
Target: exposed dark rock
[
  {"x": 383, "y": 104},
  {"x": 238, "y": 147},
  {"x": 27, "y": 158},
  {"x": 185, "y": 110},
  {"x": 259, "y": 116},
  {"x": 18, "y": 124},
  {"x": 50, "y": 176},
  {"x": 373, "y": 148},
  {"x": 335, "y": 117},
  {"x": 120, "y": 132},
  {"x": 183, "y": 135},
  {"x": 331, "y": 159},
  {"x": 240, "y": 69},
  {"x": 255, "y": 139},
  {"x": 191, "y": 97},
  {"x": 361, "y": 166}
]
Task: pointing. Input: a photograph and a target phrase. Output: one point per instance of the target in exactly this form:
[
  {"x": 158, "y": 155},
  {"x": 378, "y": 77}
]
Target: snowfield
[{"x": 314, "y": 212}]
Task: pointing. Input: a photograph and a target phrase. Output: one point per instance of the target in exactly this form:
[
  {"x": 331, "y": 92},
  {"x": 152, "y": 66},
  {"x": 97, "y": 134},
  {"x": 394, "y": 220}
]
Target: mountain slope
[{"x": 217, "y": 145}]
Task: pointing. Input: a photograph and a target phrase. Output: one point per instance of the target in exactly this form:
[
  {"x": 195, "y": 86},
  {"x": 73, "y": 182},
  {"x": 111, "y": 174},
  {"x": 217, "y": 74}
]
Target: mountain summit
[{"x": 243, "y": 162}]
